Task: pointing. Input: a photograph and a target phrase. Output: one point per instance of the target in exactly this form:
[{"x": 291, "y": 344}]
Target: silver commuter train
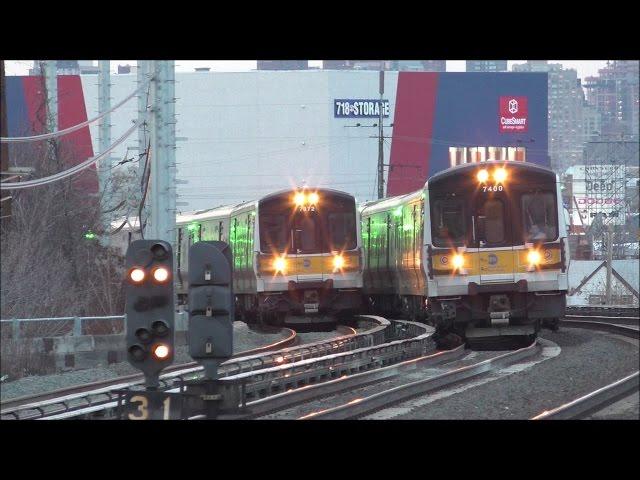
[
  {"x": 295, "y": 252},
  {"x": 481, "y": 251}
]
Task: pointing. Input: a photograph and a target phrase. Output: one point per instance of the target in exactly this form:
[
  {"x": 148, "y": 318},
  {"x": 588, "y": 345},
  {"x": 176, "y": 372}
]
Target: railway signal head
[
  {"x": 150, "y": 306},
  {"x": 211, "y": 304}
]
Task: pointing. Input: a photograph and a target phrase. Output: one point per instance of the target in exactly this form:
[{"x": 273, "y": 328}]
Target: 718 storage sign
[{"x": 358, "y": 108}]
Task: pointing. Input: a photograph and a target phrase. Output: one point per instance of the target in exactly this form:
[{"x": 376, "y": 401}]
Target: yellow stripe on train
[
  {"x": 494, "y": 261},
  {"x": 308, "y": 264}
]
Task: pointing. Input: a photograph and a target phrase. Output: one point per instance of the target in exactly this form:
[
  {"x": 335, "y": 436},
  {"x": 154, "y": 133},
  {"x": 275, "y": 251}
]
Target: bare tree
[{"x": 52, "y": 264}]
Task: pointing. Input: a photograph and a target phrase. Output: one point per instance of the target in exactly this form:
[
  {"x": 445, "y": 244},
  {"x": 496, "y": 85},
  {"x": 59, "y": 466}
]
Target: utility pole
[
  {"x": 609, "y": 237},
  {"x": 381, "y": 142},
  {"x": 5, "y": 202},
  {"x": 51, "y": 82},
  {"x": 161, "y": 135},
  {"x": 104, "y": 169}
]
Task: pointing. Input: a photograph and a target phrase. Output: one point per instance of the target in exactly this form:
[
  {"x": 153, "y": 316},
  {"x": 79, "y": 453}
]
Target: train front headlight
[
  {"x": 314, "y": 198},
  {"x": 533, "y": 257},
  {"x": 500, "y": 175},
  {"x": 338, "y": 262},
  {"x": 482, "y": 176},
  {"x": 458, "y": 261},
  {"x": 280, "y": 264},
  {"x": 299, "y": 199}
]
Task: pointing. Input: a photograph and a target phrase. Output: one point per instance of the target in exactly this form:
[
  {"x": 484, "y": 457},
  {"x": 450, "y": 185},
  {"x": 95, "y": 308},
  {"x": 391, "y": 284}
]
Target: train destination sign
[{"x": 359, "y": 108}]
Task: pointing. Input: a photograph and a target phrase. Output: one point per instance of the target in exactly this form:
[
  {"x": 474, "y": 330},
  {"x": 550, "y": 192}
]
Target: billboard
[
  {"x": 599, "y": 190},
  {"x": 437, "y": 113}
]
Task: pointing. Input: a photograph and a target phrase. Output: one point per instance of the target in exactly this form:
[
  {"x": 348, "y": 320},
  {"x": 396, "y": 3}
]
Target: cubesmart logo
[{"x": 513, "y": 114}]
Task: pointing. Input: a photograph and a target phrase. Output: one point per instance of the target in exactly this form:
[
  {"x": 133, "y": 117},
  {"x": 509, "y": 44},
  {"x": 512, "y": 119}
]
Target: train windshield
[
  {"x": 273, "y": 232},
  {"x": 322, "y": 227},
  {"x": 448, "y": 225},
  {"x": 539, "y": 216},
  {"x": 342, "y": 231}
]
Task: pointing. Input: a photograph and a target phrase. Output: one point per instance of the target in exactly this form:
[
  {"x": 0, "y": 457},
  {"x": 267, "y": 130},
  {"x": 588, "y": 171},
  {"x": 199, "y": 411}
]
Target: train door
[
  {"x": 306, "y": 245},
  {"x": 493, "y": 229}
]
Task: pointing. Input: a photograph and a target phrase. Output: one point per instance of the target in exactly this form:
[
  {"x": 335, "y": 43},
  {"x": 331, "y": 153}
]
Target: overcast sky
[{"x": 585, "y": 68}]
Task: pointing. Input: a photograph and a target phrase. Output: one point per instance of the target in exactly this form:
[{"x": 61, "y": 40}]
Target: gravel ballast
[{"x": 589, "y": 360}]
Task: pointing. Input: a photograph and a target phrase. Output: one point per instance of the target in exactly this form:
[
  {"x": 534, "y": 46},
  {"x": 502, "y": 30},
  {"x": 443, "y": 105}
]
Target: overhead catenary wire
[
  {"x": 59, "y": 133},
  {"x": 71, "y": 171}
]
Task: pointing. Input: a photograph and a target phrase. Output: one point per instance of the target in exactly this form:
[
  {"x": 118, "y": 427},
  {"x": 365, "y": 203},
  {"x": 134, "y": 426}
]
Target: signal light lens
[
  {"x": 159, "y": 251},
  {"x": 482, "y": 176},
  {"x": 458, "y": 261},
  {"x": 161, "y": 351},
  {"x": 161, "y": 274},
  {"x": 137, "y": 352},
  {"x": 280, "y": 264},
  {"x": 136, "y": 275},
  {"x": 299, "y": 199},
  {"x": 314, "y": 198},
  {"x": 533, "y": 257},
  {"x": 160, "y": 328},
  {"x": 500, "y": 175},
  {"x": 143, "y": 335},
  {"x": 338, "y": 262}
]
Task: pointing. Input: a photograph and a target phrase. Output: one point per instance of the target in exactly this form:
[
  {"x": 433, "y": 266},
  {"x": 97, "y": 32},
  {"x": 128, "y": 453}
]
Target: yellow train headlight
[
  {"x": 533, "y": 257},
  {"x": 314, "y": 198},
  {"x": 457, "y": 261},
  {"x": 500, "y": 175},
  {"x": 299, "y": 198},
  {"x": 280, "y": 264},
  {"x": 338, "y": 262},
  {"x": 482, "y": 176}
]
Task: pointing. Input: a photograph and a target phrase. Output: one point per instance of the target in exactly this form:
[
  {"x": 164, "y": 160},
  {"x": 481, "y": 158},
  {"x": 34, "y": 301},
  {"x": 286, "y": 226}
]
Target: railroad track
[
  {"x": 601, "y": 398},
  {"x": 387, "y": 343},
  {"x": 277, "y": 380},
  {"x": 448, "y": 375},
  {"x": 357, "y": 407},
  {"x": 98, "y": 397}
]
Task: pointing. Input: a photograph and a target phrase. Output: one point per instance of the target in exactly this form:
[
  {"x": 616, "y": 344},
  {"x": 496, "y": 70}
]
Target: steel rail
[
  {"x": 594, "y": 401},
  {"x": 105, "y": 386},
  {"x": 589, "y": 324},
  {"x": 366, "y": 405},
  {"x": 269, "y": 380},
  {"x": 252, "y": 360},
  {"x": 303, "y": 394},
  {"x": 608, "y": 310},
  {"x": 602, "y": 397}
]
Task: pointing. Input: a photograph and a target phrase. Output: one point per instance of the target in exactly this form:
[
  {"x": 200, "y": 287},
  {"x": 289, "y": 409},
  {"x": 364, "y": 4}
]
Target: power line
[
  {"x": 59, "y": 133},
  {"x": 67, "y": 173}
]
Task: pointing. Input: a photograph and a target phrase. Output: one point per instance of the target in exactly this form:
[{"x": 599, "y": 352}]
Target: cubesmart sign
[{"x": 513, "y": 114}]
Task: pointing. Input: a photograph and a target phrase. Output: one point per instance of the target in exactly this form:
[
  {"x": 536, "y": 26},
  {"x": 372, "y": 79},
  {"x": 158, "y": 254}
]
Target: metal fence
[{"x": 75, "y": 325}]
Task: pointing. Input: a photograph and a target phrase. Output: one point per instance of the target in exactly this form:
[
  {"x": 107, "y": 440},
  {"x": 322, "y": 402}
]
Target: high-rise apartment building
[
  {"x": 565, "y": 104},
  {"x": 614, "y": 94},
  {"x": 486, "y": 65}
]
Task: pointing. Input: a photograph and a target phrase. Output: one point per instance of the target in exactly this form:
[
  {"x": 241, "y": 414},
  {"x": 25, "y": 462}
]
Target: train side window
[
  {"x": 448, "y": 222},
  {"x": 539, "y": 216}
]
